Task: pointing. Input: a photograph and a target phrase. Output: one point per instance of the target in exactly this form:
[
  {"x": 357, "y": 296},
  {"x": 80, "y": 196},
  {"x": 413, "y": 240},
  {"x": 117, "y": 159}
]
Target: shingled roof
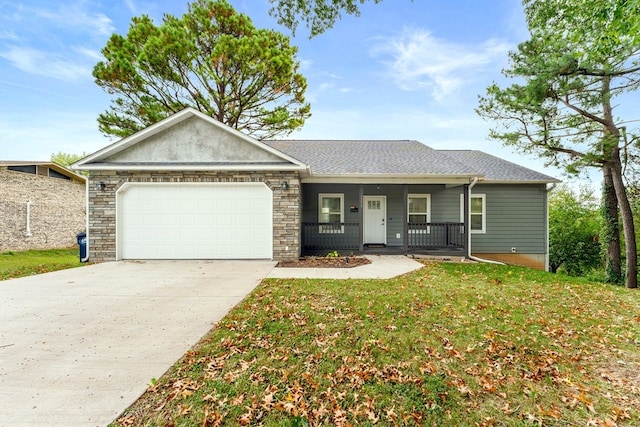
[
  {"x": 496, "y": 169},
  {"x": 402, "y": 157},
  {"x": 383, "y": 157}
]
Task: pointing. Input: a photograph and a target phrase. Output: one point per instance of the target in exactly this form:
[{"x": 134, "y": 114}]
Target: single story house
[
  {"x": 42, "y": 205},
  {"x": 189, "y": 187}
]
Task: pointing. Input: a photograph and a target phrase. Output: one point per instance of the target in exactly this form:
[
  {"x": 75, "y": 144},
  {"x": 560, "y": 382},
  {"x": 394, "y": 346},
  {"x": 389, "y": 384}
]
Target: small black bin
[{"x": 82, "y": 242}]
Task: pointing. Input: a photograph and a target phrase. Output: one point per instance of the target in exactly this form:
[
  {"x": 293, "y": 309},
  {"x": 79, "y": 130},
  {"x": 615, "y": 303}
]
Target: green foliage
[
  {"x": 15, "y": 264},
  {"x": 580, "y": 57},
  {"x": 66, "y": 159},
  {"x": 318, "y": 15},
  {"x": 579, "y": 61},
  {"x": 212, "y": 59},
  {"x": 333, "y": 254},
  {"x": 574, "y": 228}
]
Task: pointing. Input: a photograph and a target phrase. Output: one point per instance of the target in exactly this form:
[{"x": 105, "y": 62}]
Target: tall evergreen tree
[
  {"x": 212, "y": 59},
  {"x": 582, "y": 56}
]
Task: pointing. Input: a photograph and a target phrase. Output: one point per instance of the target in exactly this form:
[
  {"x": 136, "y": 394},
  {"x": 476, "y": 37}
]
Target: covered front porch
[
  {"x": 425, "y": 219},
  {"x": 445, "y": 239}
]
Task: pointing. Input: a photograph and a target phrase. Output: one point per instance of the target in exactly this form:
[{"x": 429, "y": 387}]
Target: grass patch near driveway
[
  {"x": 448, "y": 345},
  {"x": 26, "y": 263}
]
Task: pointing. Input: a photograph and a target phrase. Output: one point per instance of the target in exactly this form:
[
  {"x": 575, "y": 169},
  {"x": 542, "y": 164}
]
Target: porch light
[
  {"x": 101, "y": 185},
  {"x": 284, "y": 185}
]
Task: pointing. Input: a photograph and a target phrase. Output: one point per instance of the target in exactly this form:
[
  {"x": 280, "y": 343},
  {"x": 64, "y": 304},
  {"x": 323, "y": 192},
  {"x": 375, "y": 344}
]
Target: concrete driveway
[{"x": 79, "y": 346}]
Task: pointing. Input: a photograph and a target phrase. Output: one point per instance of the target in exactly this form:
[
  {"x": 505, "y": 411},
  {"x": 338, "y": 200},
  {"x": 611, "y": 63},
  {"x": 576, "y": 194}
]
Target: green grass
[
  {"x": 448, "y": 345},
  {"x": 26, "y": 263}
]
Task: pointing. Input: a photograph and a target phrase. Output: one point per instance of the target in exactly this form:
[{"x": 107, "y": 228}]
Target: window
[
  {"x": 478, "y": 217},
  {"x": 419, "y": 212},
  {"x": 331, "y": 213}
]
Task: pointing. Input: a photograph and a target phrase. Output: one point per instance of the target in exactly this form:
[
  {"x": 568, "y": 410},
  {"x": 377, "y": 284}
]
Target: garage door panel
[{"x": 195, "y": 221}]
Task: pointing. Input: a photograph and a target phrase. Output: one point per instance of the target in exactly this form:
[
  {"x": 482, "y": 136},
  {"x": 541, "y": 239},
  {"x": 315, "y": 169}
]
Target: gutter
[{"x": 474, "y": 181}]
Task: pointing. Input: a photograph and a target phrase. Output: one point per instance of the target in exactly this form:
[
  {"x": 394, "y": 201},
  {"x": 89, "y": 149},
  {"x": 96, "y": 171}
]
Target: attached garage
[
  {"x": 194, "y": 221},
  {"x": 190, "y": 187}
]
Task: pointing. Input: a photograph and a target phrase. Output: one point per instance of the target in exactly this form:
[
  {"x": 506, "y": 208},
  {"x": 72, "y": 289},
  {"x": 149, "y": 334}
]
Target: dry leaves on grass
[{"x": 465, "y": 345}]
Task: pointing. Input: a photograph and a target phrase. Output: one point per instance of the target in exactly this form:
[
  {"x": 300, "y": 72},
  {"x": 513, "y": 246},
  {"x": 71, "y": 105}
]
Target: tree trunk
[
  {"x": 611, "y": 144},
  {"x": 613, "y": 268},
  {"x": 631, "y": 278}
]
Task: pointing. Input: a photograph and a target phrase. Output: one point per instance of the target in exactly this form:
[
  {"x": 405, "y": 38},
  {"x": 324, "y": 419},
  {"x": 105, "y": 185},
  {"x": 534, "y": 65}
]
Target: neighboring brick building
[{"x": 42, "y": 206}]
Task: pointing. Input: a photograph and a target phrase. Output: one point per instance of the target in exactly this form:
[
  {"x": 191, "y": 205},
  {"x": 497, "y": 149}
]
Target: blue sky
[{"x": 402, "y": 70}]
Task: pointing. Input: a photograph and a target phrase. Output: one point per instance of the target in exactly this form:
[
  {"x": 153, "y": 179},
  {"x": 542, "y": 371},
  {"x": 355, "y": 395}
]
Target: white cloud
[
  {"x": 326, "y": 86},
  {"x": 74, "y": 16},
  {"x": 8, "y": 34},
  {"x": 44, "y": 63},
  {"x": 92, "y": 54},
  {"x": 54, "y": 39},
  {"x": 420, "y": 61},
  {"x": 305, "y": 64},
  {"x": 131, "y": 6}
]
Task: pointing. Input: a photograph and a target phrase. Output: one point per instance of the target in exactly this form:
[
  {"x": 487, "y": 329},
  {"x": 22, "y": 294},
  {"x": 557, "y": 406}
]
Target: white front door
[{"x": 375, "y": 215}]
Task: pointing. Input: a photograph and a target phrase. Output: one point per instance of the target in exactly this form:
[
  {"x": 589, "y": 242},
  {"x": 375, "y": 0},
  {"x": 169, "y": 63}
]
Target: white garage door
[{"x": 195, "y": 221}]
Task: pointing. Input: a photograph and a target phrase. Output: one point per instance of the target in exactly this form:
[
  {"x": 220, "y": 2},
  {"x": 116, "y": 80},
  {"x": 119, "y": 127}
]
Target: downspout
[
  {"x": 28, "y": 230},
  {"x": 86, "y": 218},
  {"x": 474, "y": 181},
  {"x": 546, "y": 256}
]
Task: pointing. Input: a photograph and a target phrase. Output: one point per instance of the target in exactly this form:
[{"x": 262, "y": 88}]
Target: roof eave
[
  {"x": 51, "y": 165},
  {"x": 170, "y": 167},
  {"x": 520, "y": 181},
  {"x": 388, "y": 179}
]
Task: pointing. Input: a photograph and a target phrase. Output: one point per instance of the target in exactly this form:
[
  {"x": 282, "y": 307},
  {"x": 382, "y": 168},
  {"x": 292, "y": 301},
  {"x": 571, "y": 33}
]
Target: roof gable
[{"x": 189, "y": 140}]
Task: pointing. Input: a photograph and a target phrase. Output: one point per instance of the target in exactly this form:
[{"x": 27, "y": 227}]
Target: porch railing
[
  {"x": 322, "y": 236},
  {"x": 330, "y": 236},
  {"x": 436, "y": 235}
]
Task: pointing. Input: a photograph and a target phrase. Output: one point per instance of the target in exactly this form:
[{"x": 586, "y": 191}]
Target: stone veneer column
[
  {"x": 102, "y": 216},
  {"x": 287, "y": 214}
]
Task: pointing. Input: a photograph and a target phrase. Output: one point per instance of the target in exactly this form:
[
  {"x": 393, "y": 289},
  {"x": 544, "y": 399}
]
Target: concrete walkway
[
  {"x": 78, "y": 346},
  {"x": 381, "y": 267}
]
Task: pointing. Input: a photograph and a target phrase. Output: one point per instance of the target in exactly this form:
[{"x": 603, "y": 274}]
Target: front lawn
[
  {"x": 26, "y": 263},
  {"x": 449, "y": 345}
]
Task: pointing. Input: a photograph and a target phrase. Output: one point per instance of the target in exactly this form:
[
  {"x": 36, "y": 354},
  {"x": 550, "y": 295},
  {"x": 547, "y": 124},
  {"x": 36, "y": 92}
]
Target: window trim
[
  {"x": 483, "y": 230},
  {"x": 324, "y": 229},
  {"x": 428, "y": 213}
]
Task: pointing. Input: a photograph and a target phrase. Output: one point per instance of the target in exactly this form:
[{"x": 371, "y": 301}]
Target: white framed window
[
  {"x": 478, "y": 214},
  {"x": 419, "y": 212},
  {"x": 331, "y": 212}
]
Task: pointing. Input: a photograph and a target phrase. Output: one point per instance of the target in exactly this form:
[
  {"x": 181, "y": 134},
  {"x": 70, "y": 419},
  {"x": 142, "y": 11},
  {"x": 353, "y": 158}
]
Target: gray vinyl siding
[
  {"x": 516, "y": 218},
  {"x": 445, "y": 203}
]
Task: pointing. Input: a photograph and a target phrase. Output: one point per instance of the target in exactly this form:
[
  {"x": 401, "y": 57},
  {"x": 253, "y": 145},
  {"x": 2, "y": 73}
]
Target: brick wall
[
  {"x": 102, "y": 206},
  {"x": 57, "y": 211}
]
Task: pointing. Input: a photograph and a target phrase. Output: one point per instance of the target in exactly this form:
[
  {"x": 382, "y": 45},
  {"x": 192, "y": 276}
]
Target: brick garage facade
[
  {"x": 56, "y": 211},
  {"x": 102, "y": 205}
]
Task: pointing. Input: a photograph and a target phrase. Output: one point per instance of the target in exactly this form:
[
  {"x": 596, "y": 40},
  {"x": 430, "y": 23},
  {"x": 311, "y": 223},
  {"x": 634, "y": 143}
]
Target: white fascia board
[
  {"x": 497, "y": 181},
  {"x": 388, "y": 179},
  {"x": 238, "y": 167}
]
